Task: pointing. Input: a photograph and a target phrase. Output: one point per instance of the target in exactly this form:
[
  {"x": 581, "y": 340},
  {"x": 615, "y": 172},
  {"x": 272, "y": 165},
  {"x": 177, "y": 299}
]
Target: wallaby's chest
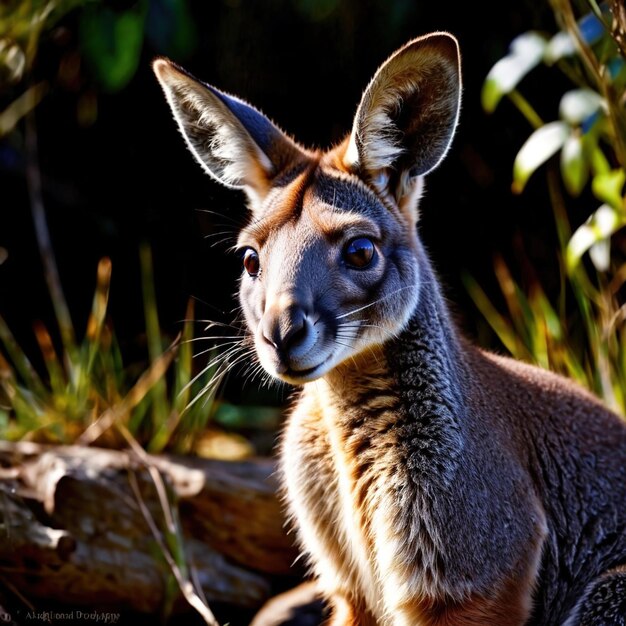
[
  {"x": 335, "y": 460},
  {"x": 381, "y": 512}
]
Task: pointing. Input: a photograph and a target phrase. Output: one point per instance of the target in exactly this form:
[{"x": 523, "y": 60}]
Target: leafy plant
[{"x": 581, "y": 335}]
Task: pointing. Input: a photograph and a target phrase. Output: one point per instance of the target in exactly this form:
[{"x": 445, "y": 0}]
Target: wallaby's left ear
[
  {"x": 407, "y": 116},
  {"x": 236, "y": 144}
]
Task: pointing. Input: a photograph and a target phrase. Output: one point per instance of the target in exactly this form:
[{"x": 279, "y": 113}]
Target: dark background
[{"x": 124, "y": 176}]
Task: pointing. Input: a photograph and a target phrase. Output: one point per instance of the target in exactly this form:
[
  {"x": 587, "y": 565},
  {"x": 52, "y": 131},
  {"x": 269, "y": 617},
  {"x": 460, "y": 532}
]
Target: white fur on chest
[
  {"x": 319, "y": 495},
  {"x": 351, "y": 529}
]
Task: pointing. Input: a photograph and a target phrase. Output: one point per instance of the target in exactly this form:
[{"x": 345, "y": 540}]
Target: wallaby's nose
[{"x": 288, "y": 330}]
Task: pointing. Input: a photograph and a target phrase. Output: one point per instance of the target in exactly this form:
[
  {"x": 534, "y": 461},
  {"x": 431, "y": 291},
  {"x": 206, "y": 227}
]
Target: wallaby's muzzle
[{"x": 290, "y": 332}]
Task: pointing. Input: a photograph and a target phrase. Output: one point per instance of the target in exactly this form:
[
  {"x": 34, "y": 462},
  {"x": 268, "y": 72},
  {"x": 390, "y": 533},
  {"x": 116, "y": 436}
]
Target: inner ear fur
[
  {"x": 233, "y": 142},
  {"x": 408, "y": 113}
]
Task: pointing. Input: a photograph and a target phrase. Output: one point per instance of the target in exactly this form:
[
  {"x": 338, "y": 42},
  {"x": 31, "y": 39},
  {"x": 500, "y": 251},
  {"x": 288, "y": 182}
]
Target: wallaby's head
[{"x": 330, "y": 253}]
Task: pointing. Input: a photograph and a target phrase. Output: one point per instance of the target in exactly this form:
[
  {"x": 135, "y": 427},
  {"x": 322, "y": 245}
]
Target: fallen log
[{"x": 74, "y": 530}]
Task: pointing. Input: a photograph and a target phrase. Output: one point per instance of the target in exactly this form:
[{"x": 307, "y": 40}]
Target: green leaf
[
  {"x": 574, "y": 166},
  {"x": 112, "y": 43},
  {"x": 500, "y": 325},
  {"x": 597, "y": 159},
  {"x": 600, "y": 226},
  {"x": 578, "y": 105},
  {"x": 608, "y": 187},
  {"x": 525, "y": 53},
  {"x": 539, "y": 147}
]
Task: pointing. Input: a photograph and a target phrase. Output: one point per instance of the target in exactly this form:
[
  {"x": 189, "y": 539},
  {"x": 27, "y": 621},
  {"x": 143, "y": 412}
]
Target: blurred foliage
[
  {"x": 88, "y": 391},
  {"x": 582, "y": 335},
  {"x": 89, "y": 395},
  {"x": 111, "y": 41},
  {"x": 22, "y": 23}
]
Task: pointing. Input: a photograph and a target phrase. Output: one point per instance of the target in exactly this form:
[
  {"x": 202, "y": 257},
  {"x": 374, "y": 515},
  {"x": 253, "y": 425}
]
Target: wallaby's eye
[
  {"x": 359, "y": 253},
  {"x": 251, "y": 262}
]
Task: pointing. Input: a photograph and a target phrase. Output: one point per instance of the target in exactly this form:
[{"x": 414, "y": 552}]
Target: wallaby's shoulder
[
  {"x": 535, "y": 380},
  {"x": 536, "y": 394}
]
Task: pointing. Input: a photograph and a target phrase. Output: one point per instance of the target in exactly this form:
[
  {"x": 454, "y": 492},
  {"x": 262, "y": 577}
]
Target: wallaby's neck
[
  {"x": 428, "y": 361},
  {"x": 428, "y": 358},
  {"x": 412, "y": 388},
  {"x": 421, "y": 374}
]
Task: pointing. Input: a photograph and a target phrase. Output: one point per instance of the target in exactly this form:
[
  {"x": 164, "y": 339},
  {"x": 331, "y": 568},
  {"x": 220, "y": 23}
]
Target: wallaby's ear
[
  {"x": 407, "y": 116},
  {"x": 236, "y": 144}
]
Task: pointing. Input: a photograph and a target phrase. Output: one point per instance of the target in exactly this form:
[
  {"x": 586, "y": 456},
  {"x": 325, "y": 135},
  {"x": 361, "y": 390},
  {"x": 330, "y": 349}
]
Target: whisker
[
  {"x": 269, "y": 380},
  {"x": 211, "y": 306},
  {"x": 238, "y": 223},
  {"x": 240, "y": 357},
  {"x": 345, "y": 345},
  {"x": 213, "y": 348},
  {"x": 214, "y": 338},
  {"x": 210, "y": 365},
  {"x": 222, "y": 240},
  {"x": 190, "y": 320},
  {"x": 366, "y": 306},
  {"x": 211, "y": 323},
  {"x": 218, "y": 233},
  {"x": 255, "y": 371},
  {"x": 360, "y": 325},
  {"x": 264, "y": 378},
  {"x": 215, "y": 379}
]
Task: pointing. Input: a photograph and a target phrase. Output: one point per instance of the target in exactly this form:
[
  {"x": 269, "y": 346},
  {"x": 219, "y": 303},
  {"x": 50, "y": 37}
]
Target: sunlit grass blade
[
  {"x": 82, "y": 394},
  {"x": 138, "y": 418},
  {"x": 184, "y": 362},
  {"x": 121, "y": 411},
  {"x": 199, "y": 406},
  {"x": 173, "y": 432},
  {"x": 516, "y": 301},
  {"x": 54, "y": 367},
  {"x": 19, "y": 360},
  {"x": 112, "y": 365},
  {"x": 158, "y": 393},
  {"x": 498, "y": 323},
  {"x": 21, "y": 106},
  {"x": 97, "y": 316}
]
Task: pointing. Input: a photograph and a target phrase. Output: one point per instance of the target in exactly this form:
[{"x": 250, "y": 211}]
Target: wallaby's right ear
[
  {"x": 407, "y": 116},
  {"x": 236, "y": 144}
]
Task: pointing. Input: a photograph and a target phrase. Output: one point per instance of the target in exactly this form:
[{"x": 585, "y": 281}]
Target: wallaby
[{"x": 431, "y": 483}]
